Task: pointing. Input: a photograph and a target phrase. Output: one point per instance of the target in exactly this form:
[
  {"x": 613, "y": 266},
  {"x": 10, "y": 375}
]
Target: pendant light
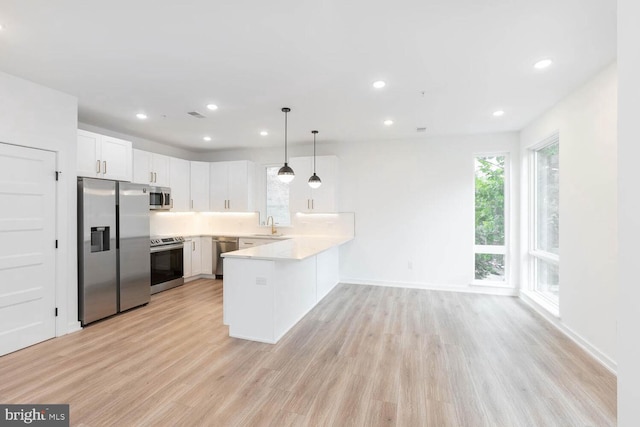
[
  {"x": 285, "y": 174},
  {"x": 314, "y": 181}
]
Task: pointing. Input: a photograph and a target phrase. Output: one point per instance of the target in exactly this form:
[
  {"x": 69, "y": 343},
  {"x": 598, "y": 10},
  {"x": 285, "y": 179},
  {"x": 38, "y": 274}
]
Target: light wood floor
[{"x": 365, "y": 356}]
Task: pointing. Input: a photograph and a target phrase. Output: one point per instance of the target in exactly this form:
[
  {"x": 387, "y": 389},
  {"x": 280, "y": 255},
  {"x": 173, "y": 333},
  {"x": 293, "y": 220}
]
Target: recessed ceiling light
[
  {"x": 498, "y": 113},
  {"x": 207, "y": 138},
  {"x": 379, "y": 84},
  {"x": 141, "y": 116},
  {"x": 388, "y": 122},
  {"x": 542, "y": 64},
  {"x": 212, "y": 106},
  {"x": 264, "y": 133}
]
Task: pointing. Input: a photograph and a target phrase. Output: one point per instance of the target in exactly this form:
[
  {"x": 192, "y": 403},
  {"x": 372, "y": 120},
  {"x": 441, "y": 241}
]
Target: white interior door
[{"x": 27, "y": 247}]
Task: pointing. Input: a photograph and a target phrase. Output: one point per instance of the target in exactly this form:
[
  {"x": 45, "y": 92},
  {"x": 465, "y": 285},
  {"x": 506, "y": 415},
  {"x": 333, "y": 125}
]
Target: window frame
[
  {"x": 533, "y": 253},
  {"x": 495, "y": 249}
]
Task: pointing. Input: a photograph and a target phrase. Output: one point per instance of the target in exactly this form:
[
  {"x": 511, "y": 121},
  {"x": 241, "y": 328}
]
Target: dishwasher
[{"x": 221, "y": 245}]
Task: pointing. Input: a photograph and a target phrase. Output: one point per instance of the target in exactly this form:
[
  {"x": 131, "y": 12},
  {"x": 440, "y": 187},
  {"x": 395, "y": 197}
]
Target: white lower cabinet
[
  {"x": 198, "y": 252},
  {"x": 250, "y": 242},
  {"x": 192, "y": 257},
  {"x": 207, "y": 255},
  {"x": 196, "y": 256},
  {"x": 188, "y": 255}
]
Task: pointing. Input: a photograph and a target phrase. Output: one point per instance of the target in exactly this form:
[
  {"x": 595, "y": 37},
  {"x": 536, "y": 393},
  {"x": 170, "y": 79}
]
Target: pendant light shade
[
  {"x": 314, "y": 181},
  {"x": 285, "y": 174}
]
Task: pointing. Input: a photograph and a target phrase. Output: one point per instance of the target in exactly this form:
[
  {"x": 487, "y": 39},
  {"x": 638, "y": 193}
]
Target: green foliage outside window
[{"x": 490, "y": 214}]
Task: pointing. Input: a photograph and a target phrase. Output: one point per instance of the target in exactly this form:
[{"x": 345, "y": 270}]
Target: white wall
[
  {"x": 628, "y": 213},
  {"x": 413, "y": 202},
  {"x": 35, "y": 116},
  {"x": 586, "y": 122}
]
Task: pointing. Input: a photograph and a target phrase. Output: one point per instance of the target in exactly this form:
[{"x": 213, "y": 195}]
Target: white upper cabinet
[
  {"x": 180, "y": 172},
  {"x": 105, "y": 157},
  {"x": 151, "y": 168},
  {"x": 199, "y": 186},
  {"x": 142, "y": 167},
  {"x": 232, "y": 186},
  {"x": 303, "y": 198},
  {"x": 218, "y": 175}
]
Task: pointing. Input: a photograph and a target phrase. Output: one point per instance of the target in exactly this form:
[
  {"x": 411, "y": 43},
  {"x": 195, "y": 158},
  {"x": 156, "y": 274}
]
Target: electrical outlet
[{"x": 261, "y": 281}]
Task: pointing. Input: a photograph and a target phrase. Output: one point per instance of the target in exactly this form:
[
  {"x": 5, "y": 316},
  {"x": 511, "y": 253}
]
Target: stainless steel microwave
[{"x": 159, "y": 198}]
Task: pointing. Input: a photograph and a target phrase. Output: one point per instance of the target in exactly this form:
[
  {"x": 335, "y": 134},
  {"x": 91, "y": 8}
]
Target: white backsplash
[
  {"x": 238, "y": 223},
  {"x": 332, "y": 224}
]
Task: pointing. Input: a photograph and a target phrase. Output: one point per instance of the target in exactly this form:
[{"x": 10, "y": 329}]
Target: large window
[
  {"x": 545, "y": 220},
  {"x": 277, "y": 197},
  {"x": 490, "y": 219}
]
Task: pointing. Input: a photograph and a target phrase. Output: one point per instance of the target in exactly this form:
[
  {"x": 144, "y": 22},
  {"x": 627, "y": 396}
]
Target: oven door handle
[{"x": 166, "y": 248}]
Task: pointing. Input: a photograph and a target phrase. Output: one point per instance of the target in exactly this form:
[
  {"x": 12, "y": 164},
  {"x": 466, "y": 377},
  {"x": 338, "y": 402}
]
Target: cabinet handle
[
  {"x": 105, "y": 166},
  {"x": 155, "y": 177},
  {"x": 98, "y": 167},
  {"x": 193, "y": 246},
  {"x": 312, "y": 208},
  {"x": 192, "y": 204},
  {"x": 151, "y": 179},
  {"x": 228, "y": 204},
  {"x": 172, "y": 203}
]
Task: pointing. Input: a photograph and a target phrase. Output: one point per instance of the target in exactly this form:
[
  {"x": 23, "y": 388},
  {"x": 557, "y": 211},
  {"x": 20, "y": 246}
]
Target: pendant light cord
[
  {"x": 314, "y": 153},
  {"x": 285, "y": 137}
]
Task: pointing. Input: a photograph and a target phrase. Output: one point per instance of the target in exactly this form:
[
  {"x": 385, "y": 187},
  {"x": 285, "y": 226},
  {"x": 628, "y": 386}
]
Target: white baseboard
[
  {"x": 486, "y": 290},
  {"x": 199, "y": 276},
  {"x": 73, "y": 327},
  {"x": 556, "y": 321}
]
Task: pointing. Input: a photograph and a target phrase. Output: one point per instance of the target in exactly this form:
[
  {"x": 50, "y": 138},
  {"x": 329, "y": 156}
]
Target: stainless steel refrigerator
[{"x": 114, "y": 272}]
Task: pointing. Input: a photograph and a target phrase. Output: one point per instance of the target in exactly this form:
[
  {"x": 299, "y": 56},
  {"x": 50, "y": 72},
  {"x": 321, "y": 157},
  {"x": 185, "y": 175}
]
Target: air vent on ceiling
[
  {"x": 421, "y": 129},
  {"x": 196, "y": 114}
]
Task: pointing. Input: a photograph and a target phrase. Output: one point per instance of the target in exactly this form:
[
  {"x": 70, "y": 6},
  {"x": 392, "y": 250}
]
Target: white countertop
[{"x": 293, "y": 248}]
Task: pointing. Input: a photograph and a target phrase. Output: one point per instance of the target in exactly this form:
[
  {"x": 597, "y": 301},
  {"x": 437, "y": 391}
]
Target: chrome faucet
[{"x": 273, "y": 225}]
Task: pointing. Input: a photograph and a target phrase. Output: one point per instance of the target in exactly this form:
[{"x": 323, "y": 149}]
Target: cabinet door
[
  {"x": 142, "y": 167},
  {"x": 240, "y": 179},
  {"x": 180, "y": 185},
  {"x": 116, "y": 159},
  {"x": 89, "y": 154},
  {"x": 196, "y": 256},
  {"x": 188, "y": 256},
  {"x": 299, "y": 190},
  {"x": 218, "y": 185},
  {"x": 324, "y": 198},
  {"x": 207, "y": 255},
  {"x": 199, "y": 186},
  {"x": 161, "y": 170}
]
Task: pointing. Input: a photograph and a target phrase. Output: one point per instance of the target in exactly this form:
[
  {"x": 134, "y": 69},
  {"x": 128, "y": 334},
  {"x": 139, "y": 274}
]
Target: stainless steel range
[{"x": 167, "y": 269}]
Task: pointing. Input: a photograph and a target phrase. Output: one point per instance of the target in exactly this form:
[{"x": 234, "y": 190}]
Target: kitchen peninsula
[{"x": 269, "y": 288}]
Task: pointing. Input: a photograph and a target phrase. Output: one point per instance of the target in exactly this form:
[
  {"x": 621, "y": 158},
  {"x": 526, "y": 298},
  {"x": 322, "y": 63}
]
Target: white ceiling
[{"x": 448, "y": 64}]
